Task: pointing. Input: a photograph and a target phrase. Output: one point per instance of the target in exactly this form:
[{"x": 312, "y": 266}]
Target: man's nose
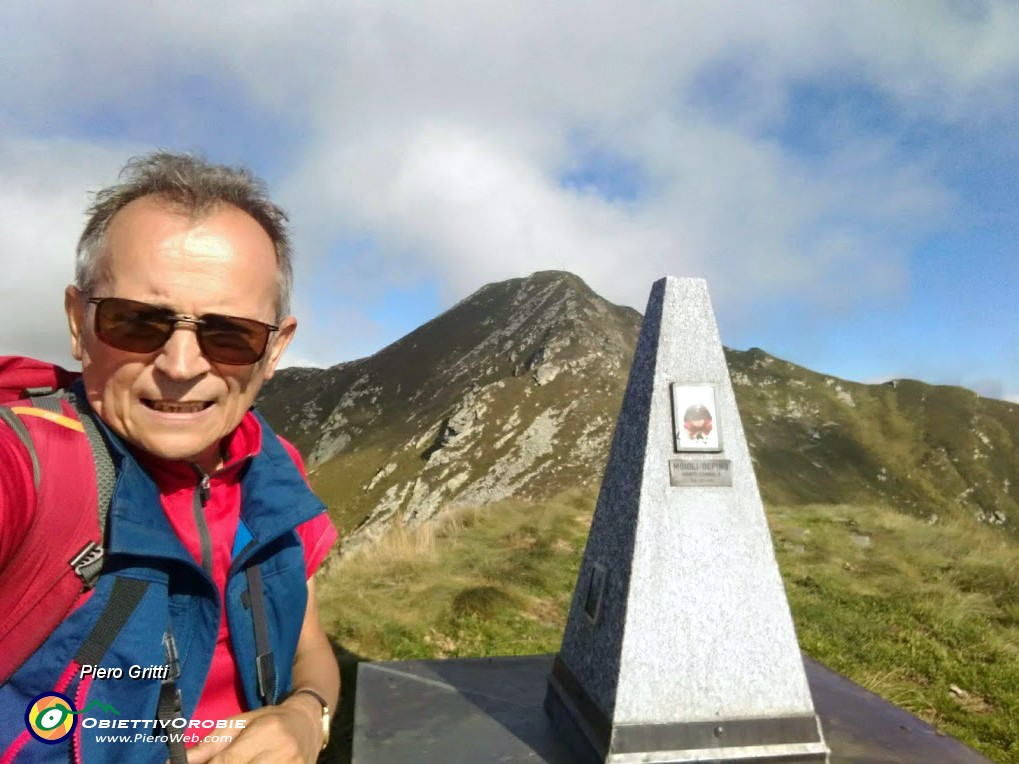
[{"x": 181, "y": 357}]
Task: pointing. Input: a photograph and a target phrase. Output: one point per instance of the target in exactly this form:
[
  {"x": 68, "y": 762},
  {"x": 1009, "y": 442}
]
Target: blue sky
[{"x": 844, "y": 175}]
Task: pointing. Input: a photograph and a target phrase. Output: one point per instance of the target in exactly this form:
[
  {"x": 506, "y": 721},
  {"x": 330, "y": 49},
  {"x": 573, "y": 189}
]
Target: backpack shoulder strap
[{"x": 106, "y": 472}]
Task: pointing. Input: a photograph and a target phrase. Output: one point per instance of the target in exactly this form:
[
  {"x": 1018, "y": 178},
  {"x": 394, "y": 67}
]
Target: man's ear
[
  {"x": 279, "y": 343},
  {"x": 74, "y": 307}
]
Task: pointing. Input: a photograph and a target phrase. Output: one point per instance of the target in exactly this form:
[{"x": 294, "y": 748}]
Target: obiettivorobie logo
[{"x": 52, "y": 717}]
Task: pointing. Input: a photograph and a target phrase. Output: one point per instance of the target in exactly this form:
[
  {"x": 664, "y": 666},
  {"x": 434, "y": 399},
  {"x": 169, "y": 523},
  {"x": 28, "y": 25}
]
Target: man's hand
[{"x": 289, "y": 732}]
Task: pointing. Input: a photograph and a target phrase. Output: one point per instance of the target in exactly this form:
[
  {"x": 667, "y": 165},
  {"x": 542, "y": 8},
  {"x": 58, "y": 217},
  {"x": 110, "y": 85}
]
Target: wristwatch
[{"x": 325, "y": 712}]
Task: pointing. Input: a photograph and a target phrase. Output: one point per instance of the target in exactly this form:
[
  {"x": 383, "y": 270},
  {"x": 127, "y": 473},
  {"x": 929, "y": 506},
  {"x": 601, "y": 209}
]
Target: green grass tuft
[{"x": 481, "y": 602}]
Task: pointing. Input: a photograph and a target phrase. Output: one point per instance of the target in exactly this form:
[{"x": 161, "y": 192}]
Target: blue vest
[{"x": 145, "y": 557}]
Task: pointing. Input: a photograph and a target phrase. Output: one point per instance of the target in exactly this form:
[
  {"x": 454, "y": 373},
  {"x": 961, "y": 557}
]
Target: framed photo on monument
[{"x": 695, "y": 418}]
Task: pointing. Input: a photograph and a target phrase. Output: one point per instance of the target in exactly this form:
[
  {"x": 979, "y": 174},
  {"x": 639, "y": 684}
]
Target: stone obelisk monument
[{"x": 679, "y": 644}]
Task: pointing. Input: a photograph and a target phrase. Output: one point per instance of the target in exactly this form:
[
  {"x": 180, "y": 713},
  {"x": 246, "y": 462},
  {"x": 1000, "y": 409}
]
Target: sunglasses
[{"x": 138, "y": 327}]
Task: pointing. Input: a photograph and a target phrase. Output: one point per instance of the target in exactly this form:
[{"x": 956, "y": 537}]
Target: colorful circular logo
[{"x": 50, "y": 717}]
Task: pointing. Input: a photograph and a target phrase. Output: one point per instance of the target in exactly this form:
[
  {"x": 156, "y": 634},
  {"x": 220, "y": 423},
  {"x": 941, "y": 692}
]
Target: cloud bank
[{"x": 791, "y": 153}]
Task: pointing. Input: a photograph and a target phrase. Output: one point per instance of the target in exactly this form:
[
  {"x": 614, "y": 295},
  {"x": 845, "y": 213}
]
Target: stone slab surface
[{"x": 490, "y": 710}]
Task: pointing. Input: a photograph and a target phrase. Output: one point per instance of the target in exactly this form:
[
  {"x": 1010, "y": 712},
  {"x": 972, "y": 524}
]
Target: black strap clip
[
  {"x": 170, "y": 705},
  {"x": 172, "y": 658}
]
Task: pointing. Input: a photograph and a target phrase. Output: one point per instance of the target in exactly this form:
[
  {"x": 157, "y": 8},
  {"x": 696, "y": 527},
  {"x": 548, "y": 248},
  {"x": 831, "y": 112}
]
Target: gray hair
[{"x": 196, "y": 187}]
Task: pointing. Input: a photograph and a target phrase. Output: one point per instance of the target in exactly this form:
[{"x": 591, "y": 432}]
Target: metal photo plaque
[
  {"x": 695, "y": 418},
  {"x": 700, "y": 472}
]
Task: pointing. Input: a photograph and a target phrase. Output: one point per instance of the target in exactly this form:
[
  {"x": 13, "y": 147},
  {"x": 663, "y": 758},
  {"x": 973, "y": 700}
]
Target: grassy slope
[
  {"x": 927, "y": 616},
  {"x": 924, "y": 449},
  {"x": 904, "y": 608}
]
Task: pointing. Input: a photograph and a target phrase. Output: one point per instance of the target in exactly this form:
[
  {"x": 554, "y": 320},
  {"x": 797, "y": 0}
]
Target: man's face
[{"x": 223, "y": 263}]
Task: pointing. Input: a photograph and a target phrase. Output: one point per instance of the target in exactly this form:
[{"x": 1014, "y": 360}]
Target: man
[{"x": 178, "y": 314}]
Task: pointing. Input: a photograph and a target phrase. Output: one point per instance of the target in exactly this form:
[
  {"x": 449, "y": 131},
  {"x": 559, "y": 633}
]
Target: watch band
[{"x": 325, "y": 711}]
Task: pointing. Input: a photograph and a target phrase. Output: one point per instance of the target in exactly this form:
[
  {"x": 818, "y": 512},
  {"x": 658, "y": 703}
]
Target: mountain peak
[
  {"x": 558, "y": 277},
  {"x": 533, "y": 326}
]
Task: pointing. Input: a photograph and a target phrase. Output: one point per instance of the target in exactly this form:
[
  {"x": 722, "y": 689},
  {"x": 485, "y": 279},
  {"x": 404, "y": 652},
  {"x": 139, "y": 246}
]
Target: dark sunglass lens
[
  {"x": 232, "y": 341},
  {"x": 132, "y": 326}
]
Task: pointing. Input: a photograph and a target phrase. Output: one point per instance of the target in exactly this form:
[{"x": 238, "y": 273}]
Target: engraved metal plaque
[
  {"x": 595, "y": 592},
  {"x": 700, "y": 472}
]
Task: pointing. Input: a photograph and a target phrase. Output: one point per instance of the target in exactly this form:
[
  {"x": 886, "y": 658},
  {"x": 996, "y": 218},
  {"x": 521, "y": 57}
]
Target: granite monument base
[{"x": 594, "y": 739}]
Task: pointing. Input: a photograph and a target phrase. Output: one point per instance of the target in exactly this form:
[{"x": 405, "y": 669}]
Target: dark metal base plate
[{"x": 490, "y": 710}]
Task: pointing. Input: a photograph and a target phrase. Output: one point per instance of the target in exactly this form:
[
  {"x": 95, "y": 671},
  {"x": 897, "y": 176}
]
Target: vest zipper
[
  {"x": 80, "y": 700},
  {"x": 201, "y": 499}
]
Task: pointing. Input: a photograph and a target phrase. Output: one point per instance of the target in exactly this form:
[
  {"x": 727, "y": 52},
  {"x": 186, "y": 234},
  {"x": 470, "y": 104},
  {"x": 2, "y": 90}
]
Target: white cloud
[
  {"x": 43, "y": 194},
  {"x": 443, "y": 138}
]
